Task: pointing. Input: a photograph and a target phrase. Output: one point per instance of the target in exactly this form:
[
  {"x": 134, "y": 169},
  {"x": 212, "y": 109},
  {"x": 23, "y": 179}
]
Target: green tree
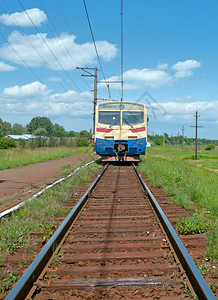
[
  {"x": 158, "y": 140},
  {"x": 7, "y": 128},
  {"x": 18, "y": 129},
  {"x": 40, "y": 122},
  {"x": 87, "y": 134},
  {"x": 72, "y": 133},
  {"x": 41, "y": 133},
  {"x": 82, "y": 142},
  {"x": 2, "y": 133},
  {"x": 6, "y": 143},
  {"x": 59, "y": 131}
]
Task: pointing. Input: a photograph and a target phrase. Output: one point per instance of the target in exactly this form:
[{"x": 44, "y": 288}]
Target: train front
[{"x": 120, "y": 130}]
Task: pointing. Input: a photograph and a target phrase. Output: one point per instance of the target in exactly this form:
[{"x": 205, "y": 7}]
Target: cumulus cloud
[
  {"x": 150, "y": 77},
  {"x": 188, "y": 109},
  {"x": 155, "y": 78},
  {"x": 136, "y": 79},
  {"x": 5, "y": 67},
  {"x": 184, "y": 69},
  {"x": 29, "y": 90},
  {"x": 80, "y": 54},
  {"x": 24, "y": 18},
  {"x": 35, "y": 99},
  {"x": 71, "y": 96}
]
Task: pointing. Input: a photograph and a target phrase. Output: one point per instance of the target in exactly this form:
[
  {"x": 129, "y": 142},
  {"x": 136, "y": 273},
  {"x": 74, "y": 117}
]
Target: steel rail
[
  {"x": 25, "y": 283},
  {"x": 9, "y": 211},
  {"x": 196, "y": 279}
]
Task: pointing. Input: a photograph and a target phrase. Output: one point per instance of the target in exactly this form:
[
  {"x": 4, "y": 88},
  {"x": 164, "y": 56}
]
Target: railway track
[{"x": 116, "y": 243}]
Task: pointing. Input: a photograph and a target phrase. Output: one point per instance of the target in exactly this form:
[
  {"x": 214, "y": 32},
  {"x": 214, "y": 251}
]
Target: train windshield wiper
[{"x": 128, "y": 123}]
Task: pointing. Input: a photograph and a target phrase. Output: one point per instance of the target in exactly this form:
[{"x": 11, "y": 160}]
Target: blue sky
[{"x": 170, "y": 61}]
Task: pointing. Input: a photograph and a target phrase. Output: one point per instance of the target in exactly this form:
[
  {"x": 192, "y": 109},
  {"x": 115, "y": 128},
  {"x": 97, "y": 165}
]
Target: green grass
[
  {"x": 208, "y": 163},
  {"x": 13, "y": 158},
  {"x": 197, "y": 223},
  {"x": 190, "y": 185},
  {"x": 38, "y": 215}
]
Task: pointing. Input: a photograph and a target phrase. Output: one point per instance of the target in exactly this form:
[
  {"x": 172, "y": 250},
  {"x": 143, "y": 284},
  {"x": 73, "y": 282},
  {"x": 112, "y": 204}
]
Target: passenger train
[{"x": 120, "y": 130}]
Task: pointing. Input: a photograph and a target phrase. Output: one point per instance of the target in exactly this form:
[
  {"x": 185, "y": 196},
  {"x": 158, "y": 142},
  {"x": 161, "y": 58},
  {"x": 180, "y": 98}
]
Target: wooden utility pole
[
  {"x": 196, "y": 134},
  {"x": 95, "y": 89}
]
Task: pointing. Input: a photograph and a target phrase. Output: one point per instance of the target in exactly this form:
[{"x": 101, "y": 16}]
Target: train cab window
[
  {"x": 109, "y": 117},
  {"x": 132, "y": 117}
]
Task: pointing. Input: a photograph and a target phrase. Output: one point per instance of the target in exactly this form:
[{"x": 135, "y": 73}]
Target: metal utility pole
[
  {"x": 183, "y": 130},
  {"x": 121, "y": 50},
  {"x": 95, "y": 89},
  {"x": 196, "y": 134}
]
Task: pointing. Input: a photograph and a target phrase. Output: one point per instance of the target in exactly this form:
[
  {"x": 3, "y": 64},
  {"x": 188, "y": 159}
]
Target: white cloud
[
  {"x": 29, "y": 90},
  {"x": 5, "y": 67},
  {"x": 162, "y": 66},
  {"x": 35, "y": 14},
  {"x": 55, "y": 79},
  {"x": 80, "y": 54},
  {"x": 33, "y": 99},
  {"x": 185, "y": 108},
  {"x": 149, "y": 77},
  {"x": 185, "y": 99},
  {"x": 137, "y": 79},
  {"x": 72, "y": 97},
  {"x": 184, "y": 69}
]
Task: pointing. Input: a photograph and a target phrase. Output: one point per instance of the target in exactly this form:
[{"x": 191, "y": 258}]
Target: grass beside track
[
  {"x": 39, "y": 215},
  {"x": 14, "y": 158},
  {"x": 189, "y": 184}
]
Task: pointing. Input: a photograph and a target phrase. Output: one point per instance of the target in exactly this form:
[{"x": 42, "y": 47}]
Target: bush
[
  {"x": 6, "y": 143},
  {"x": 82, "y": 142},
  {"x": 210, "y": 147},
  {"x": 192, "y": 225}
]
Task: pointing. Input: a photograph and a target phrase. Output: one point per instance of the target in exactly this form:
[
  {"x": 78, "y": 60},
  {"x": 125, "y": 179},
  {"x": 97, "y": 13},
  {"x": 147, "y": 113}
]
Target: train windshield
[
  {"x": 121, "y": 106},
  {"x": 132, "y": 117},
  {"x": 109, "y": 117}
]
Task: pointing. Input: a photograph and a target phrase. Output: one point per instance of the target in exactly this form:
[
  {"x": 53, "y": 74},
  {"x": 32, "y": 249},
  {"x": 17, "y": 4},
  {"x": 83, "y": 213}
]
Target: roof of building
[{"x": 16, "y": 137}]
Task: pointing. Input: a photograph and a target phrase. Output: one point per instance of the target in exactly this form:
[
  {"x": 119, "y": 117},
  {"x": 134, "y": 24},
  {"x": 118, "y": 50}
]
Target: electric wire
[
  {"x": 69, "y": 29},
  {"x": 15, "y": 23},
  {"x": 62, "y": 41},
  {"x": 87, "y": 15},
  {"x": 61, "y": 66},
  {"x": 24, "y": 62}
]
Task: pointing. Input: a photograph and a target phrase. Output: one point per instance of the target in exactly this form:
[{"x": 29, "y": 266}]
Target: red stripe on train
[
  {"x": 104, "y": 130},
  {"x": 138, "y": 129}
]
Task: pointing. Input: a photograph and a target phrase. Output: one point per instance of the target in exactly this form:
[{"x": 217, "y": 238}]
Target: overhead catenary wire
[
  {"x": 69, "y": 55},
  {"x": 24, "y": 62},
  {"x": 19, "y": 28},
  {"x": 93, "y": 39},
  {"x": 55, "y": 57}
]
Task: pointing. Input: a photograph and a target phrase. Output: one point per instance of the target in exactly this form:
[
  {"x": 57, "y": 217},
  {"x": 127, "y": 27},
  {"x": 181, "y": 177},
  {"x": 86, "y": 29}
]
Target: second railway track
[{"x": 116, "y": 248}]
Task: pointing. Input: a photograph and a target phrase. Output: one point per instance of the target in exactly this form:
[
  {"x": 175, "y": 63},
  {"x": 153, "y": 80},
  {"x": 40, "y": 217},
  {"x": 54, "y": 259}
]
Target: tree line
[
  {"x": 165, "y": 139},
  {"x": 40, "y": 126}
]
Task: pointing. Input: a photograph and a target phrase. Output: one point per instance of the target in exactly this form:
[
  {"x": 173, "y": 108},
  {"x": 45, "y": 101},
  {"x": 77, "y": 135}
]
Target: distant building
[
  {"x": 148, "y": 144},
  {"x": 17, "y": 137}
]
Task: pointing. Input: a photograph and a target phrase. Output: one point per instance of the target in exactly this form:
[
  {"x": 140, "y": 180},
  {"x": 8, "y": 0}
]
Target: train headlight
[
  {"x": 138, "y": 143},
  {"x": 141, "y": 143},
  {"x": 103, "y": 143},
  {"x": 99, "y": 143}
]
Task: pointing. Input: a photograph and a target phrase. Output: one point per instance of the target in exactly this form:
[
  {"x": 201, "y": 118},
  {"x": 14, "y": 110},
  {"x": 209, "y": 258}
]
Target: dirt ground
[{"x": 18, "y": 184}]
